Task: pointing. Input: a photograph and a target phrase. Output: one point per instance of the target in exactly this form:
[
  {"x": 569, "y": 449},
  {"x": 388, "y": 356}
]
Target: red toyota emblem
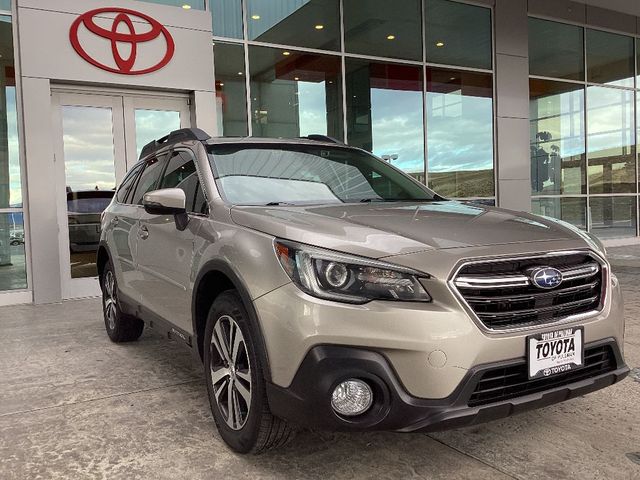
[{"x": 123, "y": 32}]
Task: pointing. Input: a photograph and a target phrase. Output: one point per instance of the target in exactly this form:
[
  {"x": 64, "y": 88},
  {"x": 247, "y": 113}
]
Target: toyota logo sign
[{"x": 128, "y": 33}]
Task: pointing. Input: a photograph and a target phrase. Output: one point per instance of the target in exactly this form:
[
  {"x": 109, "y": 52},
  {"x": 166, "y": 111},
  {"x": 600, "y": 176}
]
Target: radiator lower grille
[
  {"x": 502, "y": 295},
  {"x": 510, "y": 382}
]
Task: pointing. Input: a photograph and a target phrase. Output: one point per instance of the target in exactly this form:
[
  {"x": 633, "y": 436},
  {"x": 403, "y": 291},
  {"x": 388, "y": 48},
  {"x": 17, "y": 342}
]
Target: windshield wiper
[
  {"x": 367, "y": 200},
  {"x": 275, "y": 204}
]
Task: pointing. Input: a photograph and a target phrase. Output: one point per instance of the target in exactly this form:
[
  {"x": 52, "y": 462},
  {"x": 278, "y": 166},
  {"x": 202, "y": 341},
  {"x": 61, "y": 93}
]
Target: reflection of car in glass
[
  {"x": 321, "y": 286},
  {"x": 16, "y": 239},
  {"x": 83, "y": 212}
]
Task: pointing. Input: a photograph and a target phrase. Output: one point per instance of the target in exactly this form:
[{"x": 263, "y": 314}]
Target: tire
[
  {"x": 120, "y": 327},
  {"x": 236, "y": 374}
]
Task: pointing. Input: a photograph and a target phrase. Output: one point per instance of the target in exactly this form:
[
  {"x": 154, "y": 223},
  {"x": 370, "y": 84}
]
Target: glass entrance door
[{"x": 99, "y": 139}]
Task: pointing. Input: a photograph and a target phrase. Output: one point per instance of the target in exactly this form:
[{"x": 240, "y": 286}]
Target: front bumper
[
  {"x": 430, "y": 346},
  {"x": 307, "y": 400}
]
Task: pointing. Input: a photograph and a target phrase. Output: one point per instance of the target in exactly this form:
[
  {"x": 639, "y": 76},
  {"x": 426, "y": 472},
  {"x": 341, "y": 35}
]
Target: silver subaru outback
[{"x": 320, "y": 286}]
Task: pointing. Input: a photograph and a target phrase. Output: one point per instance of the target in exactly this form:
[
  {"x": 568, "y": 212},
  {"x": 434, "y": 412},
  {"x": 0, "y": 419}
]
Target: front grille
[
  {"x": 510, "y": 382},
  {"x": 502, "y": 296}
]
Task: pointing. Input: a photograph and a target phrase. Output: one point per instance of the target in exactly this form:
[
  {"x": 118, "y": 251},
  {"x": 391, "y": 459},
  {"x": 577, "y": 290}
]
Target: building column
[
  {"x": 40, "y": 172},
  {"x": 512, "y": 104},
  {"x": 203, "y": 112}
]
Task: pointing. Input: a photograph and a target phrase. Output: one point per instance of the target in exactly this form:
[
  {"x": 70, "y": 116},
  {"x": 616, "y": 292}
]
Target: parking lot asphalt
[{"x": 74, "y": 405}]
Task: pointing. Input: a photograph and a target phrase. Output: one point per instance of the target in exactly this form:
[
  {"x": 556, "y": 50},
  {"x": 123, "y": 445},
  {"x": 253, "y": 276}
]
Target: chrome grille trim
[
  {"x": 509, "y": 281},
  {"x": 583, "y": 272},
  {"x": 569, "y": 304},
  {"x": 498, "y": 282},
  {"x": 523, "y": 313}
]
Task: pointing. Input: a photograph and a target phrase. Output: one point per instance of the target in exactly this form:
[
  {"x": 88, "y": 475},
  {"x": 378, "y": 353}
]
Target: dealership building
[{"x": 528, "y": 105}]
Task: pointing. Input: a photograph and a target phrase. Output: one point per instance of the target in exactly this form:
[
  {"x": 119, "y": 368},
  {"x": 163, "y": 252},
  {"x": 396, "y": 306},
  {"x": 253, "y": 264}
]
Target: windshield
[{"x": 307, "y": 174}]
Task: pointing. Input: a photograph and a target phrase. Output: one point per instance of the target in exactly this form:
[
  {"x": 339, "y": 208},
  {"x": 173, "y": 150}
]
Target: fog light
[{"x": 352, "y": 397}]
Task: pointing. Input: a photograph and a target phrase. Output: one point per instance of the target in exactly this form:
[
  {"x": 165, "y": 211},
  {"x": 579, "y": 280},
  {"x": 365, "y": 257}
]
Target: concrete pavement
[{"x": 74, "y": 405}]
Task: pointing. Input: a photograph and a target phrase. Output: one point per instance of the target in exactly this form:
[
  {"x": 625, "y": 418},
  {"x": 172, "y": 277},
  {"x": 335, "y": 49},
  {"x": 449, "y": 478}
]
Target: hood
[{"x": 382, "y": 229}]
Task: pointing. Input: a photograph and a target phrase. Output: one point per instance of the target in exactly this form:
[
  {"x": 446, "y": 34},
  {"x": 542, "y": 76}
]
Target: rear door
[
  {"x": 147, "y": 181},
  {"x": 166, "y": 253},
  {"x": 121, "y": 232}
]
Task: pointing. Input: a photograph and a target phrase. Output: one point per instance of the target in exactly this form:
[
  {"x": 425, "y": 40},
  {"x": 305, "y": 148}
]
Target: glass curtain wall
[
  {"x": 185, "y": 4},
  {"x": 583, "y": 136},
  {"x": 13, "y": 270},
  {"x": 400, "y": 79}
]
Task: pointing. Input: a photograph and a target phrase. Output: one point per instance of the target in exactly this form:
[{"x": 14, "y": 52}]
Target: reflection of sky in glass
[
  {"x": 609, "y": 121},
  {"x": 154, "y": 124},
  {"x": 88, "y": 148},
  {"x": 396, "y": 124},
  {"x": 562, "y": 116},
  {"x": 312, "y": 105},
  {"x": 15, "y": 190},
  {"x": 459, "y": 132}
]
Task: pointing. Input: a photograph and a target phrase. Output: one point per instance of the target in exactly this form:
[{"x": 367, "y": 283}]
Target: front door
[
  {"x": 99, "y": 137},
  {"x": 165, "y": 253}
]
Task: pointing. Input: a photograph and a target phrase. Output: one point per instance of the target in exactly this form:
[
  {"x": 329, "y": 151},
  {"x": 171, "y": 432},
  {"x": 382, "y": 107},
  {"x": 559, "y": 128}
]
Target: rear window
[{"x": 88, "y": 205}]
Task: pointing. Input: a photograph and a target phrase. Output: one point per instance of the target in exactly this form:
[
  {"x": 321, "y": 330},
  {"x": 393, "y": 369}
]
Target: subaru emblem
[{"x": 546, "y": 277}]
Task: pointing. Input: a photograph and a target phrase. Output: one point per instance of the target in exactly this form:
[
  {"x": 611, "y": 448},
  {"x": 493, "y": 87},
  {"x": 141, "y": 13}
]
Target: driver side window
[
  {"x": 181, "y": 173},
  {"x": 148, "y": 179}
]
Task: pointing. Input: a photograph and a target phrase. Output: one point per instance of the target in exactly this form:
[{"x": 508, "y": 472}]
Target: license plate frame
[{"x": 555, "y": 363}]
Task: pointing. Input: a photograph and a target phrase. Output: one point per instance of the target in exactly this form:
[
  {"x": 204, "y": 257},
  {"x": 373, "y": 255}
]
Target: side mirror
[{"x": 168, "y": 201}]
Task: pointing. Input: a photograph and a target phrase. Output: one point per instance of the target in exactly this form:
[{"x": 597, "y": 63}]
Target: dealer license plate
[{"x": 558, "y": 351}]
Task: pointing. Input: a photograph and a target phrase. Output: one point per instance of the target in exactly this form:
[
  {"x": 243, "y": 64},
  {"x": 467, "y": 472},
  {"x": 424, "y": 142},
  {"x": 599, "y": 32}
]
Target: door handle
[{"x": 143, "y": 232}]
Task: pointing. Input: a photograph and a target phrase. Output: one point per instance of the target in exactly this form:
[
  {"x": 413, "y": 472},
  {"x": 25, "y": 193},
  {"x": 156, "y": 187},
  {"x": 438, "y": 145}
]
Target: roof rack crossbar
[{"x": 180, "y": 135}]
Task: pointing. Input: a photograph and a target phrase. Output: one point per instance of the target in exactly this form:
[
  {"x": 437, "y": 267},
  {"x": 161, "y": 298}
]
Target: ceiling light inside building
[
  {"x": 296, "y": 78},
  {"x": 286, "y": 54},
  {"x": 255, "y": 17},
  {"x": 319, "y": 27},
  {"x": 391, "y": 37},
  {"x": 186, "y": 6},
  {"x": 439, "y": 44},
  {"x": 240, "y": 73}
]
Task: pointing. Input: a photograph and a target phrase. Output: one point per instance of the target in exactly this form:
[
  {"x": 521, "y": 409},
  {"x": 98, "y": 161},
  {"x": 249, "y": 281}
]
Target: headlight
[{"x": 346, "y": 278}]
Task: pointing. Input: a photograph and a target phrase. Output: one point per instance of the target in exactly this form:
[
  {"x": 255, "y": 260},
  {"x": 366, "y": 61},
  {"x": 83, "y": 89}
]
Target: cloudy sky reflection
[
  {"x": 15, "y": 198},
  {"x": 88, "y": 148}
]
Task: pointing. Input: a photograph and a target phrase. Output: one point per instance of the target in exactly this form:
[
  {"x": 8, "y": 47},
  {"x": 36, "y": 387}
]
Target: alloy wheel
[
  {"x": 230, "y": 371},
  {"x": 110, "y": 299}
]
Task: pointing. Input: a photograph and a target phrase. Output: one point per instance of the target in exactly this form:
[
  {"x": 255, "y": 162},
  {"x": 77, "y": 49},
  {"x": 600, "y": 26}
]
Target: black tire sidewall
[{"x": 245, "y": 439}]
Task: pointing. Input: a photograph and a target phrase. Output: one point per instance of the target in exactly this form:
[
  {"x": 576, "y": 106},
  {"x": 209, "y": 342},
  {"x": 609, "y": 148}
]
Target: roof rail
[
  {"x": 176, "y": 136},
  {"x": 322, "y": 138}
]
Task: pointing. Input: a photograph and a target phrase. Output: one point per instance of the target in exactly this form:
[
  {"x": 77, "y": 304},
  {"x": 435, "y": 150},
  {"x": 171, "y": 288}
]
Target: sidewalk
[
  {"x": 625, "y": 257},
  {"x": 74, "y": 405}
]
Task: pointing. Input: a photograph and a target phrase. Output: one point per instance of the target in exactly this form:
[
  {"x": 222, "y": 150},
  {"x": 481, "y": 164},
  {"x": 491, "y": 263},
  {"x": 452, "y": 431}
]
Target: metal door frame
[{"x": 123, "y": 105}]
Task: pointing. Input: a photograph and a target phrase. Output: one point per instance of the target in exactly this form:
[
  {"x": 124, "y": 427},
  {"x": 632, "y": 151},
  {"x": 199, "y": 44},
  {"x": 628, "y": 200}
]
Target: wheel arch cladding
[
  {"x": 214, "y": 278},
  {"x": 102, "y": 257}
]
